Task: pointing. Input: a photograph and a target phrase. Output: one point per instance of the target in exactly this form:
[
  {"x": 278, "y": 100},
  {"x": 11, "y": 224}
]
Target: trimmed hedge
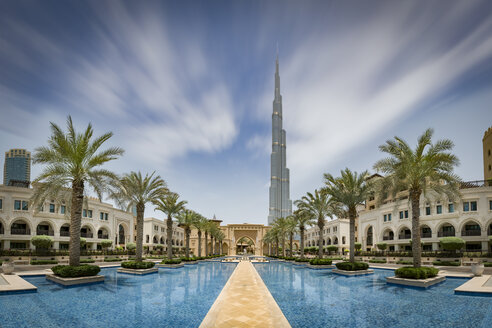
[
  {"x": 188, "y": 259},
  {"x": 446, "y": 263},
  {"x": 137, "y": 265},
  {"x": 172, "y": 261},
  {"x": 288, "y": 258},
  {"x": 487, "y": 264},
  {"x": 452, "y": 243},
  {"x": 416, "y": 273},
  {"x": 377, "y": 261},
  {"x": 406, "y": 262},
  {"x": 42, "y": 242},
  {"x": 336, "y": 258},
  {"x": 41, "y": 262},
  {"x": 112, "y": 259},
  {"x": 87, "y": 261},
  {"x": 352, "y": 266},
  {"x": 68, "y": 271},
  {"x": 131, "y": 246},
  {"x": 320, "y": 262},
  {"x": 302, "y": 260}
]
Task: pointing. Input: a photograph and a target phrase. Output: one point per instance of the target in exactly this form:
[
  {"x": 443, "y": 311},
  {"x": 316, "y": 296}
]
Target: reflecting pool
[
  {"x": 318, "y": 298},
  {"x": 171, "y": 298}
]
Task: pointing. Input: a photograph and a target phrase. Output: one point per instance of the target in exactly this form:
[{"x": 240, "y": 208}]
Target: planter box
[
  {"x": 353, "y": 273},
  {"x": 138, "y": 271},
  {"x": 319, "y": 267},
  {"x": 190, "y": 262},
  {"x": 75, "y": 281},
  {"x": 421, "y": 283},
  {"x": 170, "y": 266}
]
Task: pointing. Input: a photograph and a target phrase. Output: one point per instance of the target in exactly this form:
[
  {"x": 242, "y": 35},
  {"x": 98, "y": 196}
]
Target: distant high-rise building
[
  {"x": 487, "y": 154},
  {"x": 280, "y": 203},
  {"x": 17, "y": 168}
]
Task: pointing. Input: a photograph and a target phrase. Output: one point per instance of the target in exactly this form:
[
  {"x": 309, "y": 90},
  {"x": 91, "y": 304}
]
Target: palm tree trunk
[
  {"x": 291, "y": 238},
  {"x": 276, "y": 244},
  {"x": 301, "y": 228},
  {"x": 352, "y": 234},
  {"x": 140, "y": 224},
  {"x": 75, "y": 221},
  {"x": 206, "y": 243},
  {"x": 199, "y": 243},
  {"x": 188, "y": 231},
  {"x": 416, "y": 247},
  {"x": 169, "y": 237},
  {"x": 321, "y": 225},
  {"x": 283, "y": 246}
]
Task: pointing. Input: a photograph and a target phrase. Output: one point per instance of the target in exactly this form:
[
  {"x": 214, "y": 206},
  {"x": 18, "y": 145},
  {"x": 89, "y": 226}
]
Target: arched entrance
[
  {"x": 245, "y": 244},
  {"x": 121, "y": 235}
]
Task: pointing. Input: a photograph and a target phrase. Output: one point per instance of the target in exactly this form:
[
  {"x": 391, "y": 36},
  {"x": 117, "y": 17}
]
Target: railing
[
  {"x": 437, "y": 254},
  {"x": 471, "y": 233},
  {"x": 405, "y": 236},
  {"x": 102, "y": 236},
  {"x": 86, "y": 234},
  {"x": 446, "y": 234},
  {"x": 426, "y": 235},
  {"x": 476, "y": 184},
  {"x": 20, "y": 232},
  {"x": 64, "y": 233},
  {"x": 45, "y": 233},
  {"x": 58, "y": 252},
  {"x": 388, "y": 237}
]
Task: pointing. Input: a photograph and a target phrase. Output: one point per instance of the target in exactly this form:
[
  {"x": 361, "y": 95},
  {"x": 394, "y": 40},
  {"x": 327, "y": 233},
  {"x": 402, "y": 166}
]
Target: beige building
[
  {"x": 234, "y": 233},
  {"x": 487, "y": 154},
  {"x": 18, "y": 221},
  {"x": 335, "y": 233},
  {"x": 155, "y": 233}
]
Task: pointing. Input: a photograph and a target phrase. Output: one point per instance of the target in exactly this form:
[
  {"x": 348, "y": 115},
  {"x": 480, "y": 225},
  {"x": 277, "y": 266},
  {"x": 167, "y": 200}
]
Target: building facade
[
  {"x": 335, "y": 233},
  {"x": 19, "y": 222},
  {"x": 17, "y": 167},
  {"x": 155, "y": 233},
  {"x": 280, "y": 204}
]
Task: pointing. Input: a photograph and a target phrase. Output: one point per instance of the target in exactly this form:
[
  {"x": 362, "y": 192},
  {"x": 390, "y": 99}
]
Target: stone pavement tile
[{"x": 245, "y": 302}]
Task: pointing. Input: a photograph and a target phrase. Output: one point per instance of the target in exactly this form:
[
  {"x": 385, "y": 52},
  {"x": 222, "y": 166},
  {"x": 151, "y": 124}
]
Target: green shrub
[
  {"x": 406, "y": 262},
  {"x": 451, "y": 243},
  {"x": 352, "y": 266},
  {"x": 320, "y": 262},
  {"x": 41, "y": 262},
  {"x": 171, "y": 261},
  {"x": 83, "y": 241},
  {"x": 159, "y": 246},
  {"x": 188, "y": 259},
  {"x": 336, "y": 258},
  {"x": 290, "y": 258},
  {"x": 42, "y": 242},
  {"x": 487, "y": 264},
  {"x": 106, "y": 243},
  {"x": 358, "y": 246},
  {"x": 382, "y": 246},
  {"x": 131, "y": 246},
  {"x": 301, "y": 260},
  {"x": 87, "y": 261},
  {"x": 109, "y": 259},
  {"x": 416, "y": 273},
  {"x": 446, "y": 263},
  {"x": 377, "y": 261},
  {"x": 137, "y": 265},
  {"x": 68, "y": 271},
  {"x": 331, "y": 248}
]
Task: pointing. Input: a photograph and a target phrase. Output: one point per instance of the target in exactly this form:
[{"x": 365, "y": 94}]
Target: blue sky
[{"x": 187, "y": 86}]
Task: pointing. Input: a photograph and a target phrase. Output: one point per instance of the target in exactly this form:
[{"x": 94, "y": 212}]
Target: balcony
[
  {"x": 1, "y": 231},
  {"x": 446, "y": 234},
  {"x": 475, "y": 184},
  {"x": 64, "y": 233},
  {"x": 388, "y": 238},
  {"x": 426, "y": 235},
  {"x": 45, "y": 232},
  {"x": 20, "y": 232},
  {"x": 405, "y": 236},
  {"x": 102, "y": 236},
  {"x": 468, "y": 233},
  {"x": 86, "y": 234}
]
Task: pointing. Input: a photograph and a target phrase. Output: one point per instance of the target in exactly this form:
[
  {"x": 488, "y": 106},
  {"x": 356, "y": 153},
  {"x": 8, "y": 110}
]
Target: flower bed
[
  {"x": 352, "y": 266},
  {"x": 68, "y": 271},
  {"x": 172, "y": 261},
  {"x": 137, "y": 265},
  {"x": 320, "y": 262}
]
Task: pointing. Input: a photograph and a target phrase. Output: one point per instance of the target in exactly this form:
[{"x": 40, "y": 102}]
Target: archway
[
  {"x": 86, "y": 232},
  {"x": 154, "y": 240},
  {"x": 1, "y": 228},
  {"x": 369, "y": 236},
  {"x": 471, "y": 228},
  {"x": 45, "y": 229},
  {"x": 121, "y": 235},
  {"x": 162, "y": 241},
  {"x": 245, "y": 245},
  {"x": 102, "y": 233},
  {"x": 20, "y": 227},
  {"x": 65, "y": 230}
]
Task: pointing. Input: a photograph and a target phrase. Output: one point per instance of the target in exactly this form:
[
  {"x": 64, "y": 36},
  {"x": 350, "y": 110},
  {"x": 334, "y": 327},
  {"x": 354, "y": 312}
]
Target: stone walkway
[{"x": 245, "y": 302}]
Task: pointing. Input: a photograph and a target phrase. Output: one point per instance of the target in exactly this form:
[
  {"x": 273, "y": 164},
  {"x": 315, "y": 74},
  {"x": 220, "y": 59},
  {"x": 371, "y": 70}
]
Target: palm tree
[
  {"x": 347, "y": 192},
  {"x": 291, "y": 229},
  {"x": 186, "y": 220},
  {"x": 427, "y": 168},
  {"x": 319, "y": 206},
  {"x": 268, "y": 238},
  {"x": 200, "y": 224},
  {"x": 206, "y": 228},
  {"x": 72, "y": 161},
  {"x": 282, "y": 225},
  {"x": 303, "y": 219},
  {"x": 134, "y": 190},
  {"x": 171, "y": 206},
  {"x": 220, "y": 237}
]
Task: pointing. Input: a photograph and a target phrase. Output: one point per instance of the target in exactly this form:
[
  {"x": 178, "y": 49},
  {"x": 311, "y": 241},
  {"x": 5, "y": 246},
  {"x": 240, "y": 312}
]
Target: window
[
  {"x": 1, "y": 203},
  {"x": 427, "y": 210},
  {"x": 90, "y": 213},
  {"x": 25, "y": 205},
  {"x": 52, "y": 208},
  {"x": 63, "y": 209},
  {"x": 490, "y": 204},
  {"x": 406, "y": 214},
  {"x": 17, "y": 205},
  {"x": 156, "y": 228},
  {"x": 84, "y": 213},
  {"x": 470, "y": 206},
  {"x": 105, "y": 216},
  {"x": 439, "y": 209},
  {"x": 451, "y": 208},
  {"x": 401, "y": 214}
]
